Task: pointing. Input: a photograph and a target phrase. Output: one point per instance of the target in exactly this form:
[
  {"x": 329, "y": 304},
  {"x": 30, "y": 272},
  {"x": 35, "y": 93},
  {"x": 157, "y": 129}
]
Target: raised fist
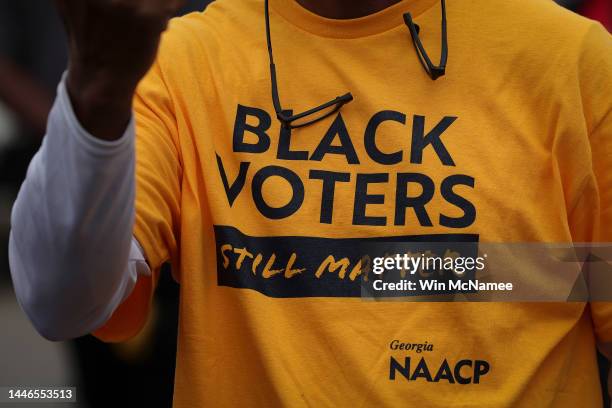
[{"x": 112, "y": 44}]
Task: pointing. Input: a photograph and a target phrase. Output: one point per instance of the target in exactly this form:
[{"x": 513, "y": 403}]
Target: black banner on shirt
[{"x": 299, "y": 266}]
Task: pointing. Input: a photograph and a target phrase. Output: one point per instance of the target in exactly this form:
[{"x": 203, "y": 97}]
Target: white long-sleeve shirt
[{"x": 71, "y": 228}]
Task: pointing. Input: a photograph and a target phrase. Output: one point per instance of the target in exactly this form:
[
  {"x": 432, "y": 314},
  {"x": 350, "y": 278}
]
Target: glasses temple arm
[
  {"x": 433, "y": 70},
  {"x": 275, "y": 97}
]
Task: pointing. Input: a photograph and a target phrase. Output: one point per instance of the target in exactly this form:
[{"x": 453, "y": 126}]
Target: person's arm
[
  {"x": 72, "y": 227},
  {"x": 71, "y": 234},
  {"x": 591, "y": 218}
]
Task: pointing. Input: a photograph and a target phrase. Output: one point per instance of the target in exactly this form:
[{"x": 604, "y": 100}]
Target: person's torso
[{"x": 267, "y": 317}]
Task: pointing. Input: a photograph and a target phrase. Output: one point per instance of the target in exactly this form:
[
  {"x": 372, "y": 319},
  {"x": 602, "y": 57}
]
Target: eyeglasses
[
  {"x": 434, "y": 71},
  {"x": 291, "y": 121},
  {"x": 285, "y": 116}
]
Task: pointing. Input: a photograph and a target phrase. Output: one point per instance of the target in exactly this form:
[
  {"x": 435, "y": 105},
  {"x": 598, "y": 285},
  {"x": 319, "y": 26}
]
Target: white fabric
[{"x": 72, "y": 255}]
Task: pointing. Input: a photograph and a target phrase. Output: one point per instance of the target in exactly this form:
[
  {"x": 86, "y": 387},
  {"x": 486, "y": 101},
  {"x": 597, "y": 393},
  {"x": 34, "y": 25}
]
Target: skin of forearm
[{"x": 102, "y": 105}]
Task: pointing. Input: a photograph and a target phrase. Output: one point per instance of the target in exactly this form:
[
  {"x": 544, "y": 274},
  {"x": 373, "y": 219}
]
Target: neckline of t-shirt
[{"x": 376, "y": 23}]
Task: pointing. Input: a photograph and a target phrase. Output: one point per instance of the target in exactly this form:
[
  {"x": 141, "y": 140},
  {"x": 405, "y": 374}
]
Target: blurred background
[{"x": 32, "y": 59}]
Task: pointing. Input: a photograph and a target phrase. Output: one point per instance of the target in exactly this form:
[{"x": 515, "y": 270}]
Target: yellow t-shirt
[{"x": 513, "y": 144}]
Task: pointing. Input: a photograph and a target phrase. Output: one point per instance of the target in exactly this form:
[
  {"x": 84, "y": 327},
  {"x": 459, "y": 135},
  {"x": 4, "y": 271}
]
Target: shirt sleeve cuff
[{"x": 91, "y": 143}]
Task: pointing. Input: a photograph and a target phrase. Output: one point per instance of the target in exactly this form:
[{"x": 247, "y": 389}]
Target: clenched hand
[{"x": 112, "y": 44}]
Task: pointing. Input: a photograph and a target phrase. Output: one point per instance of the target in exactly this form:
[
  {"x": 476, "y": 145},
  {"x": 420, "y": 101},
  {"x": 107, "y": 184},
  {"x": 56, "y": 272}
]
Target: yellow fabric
[{"x": 529, "y": 84}]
